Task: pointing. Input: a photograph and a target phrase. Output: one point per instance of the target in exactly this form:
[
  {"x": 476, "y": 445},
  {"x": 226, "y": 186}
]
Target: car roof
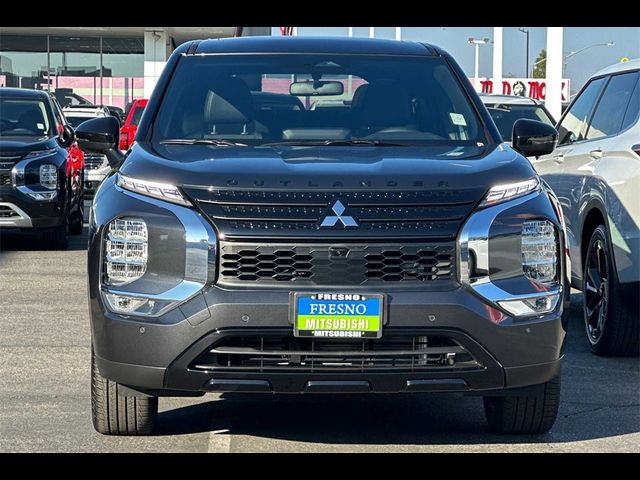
[
  {"x": 23, "y": 93},
  {"x": 285, "y": 44},
  {"x": 84, "y": 110},
  {"x": 508, "y": 99},
  {"x": 619, "y": 67}
]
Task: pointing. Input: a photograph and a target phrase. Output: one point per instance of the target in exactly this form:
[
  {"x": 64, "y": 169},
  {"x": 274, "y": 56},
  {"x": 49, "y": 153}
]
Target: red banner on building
[{"x": 286, "y": 31}]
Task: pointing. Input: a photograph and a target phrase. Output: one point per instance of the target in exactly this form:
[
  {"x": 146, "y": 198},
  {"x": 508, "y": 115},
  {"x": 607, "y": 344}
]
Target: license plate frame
[{"x": 374, "y": 303}]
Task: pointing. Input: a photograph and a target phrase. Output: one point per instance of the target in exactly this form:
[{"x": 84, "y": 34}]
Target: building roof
[
  {"x": 313, "y": 45},
  {"x": 508, "y": 99},
  {"x": 620, "y": 67},
  {"x": 22, "y": 92}
]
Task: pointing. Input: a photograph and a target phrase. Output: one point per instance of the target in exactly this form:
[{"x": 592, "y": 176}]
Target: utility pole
[{"x": 526, "y": 31}]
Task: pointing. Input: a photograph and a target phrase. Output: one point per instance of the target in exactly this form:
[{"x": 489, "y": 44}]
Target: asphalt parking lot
[{"x": 45, "y": 404}]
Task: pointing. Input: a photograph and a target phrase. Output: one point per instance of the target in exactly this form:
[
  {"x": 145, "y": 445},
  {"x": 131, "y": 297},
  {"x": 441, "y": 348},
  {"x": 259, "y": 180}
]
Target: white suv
[
  {"x": 595, "y": 172},
  {"x": 96, "y": 166}
]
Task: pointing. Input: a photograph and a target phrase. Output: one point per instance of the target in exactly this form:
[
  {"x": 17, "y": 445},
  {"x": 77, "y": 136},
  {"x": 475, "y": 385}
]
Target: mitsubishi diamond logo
[{"x": 331, "y": 220}]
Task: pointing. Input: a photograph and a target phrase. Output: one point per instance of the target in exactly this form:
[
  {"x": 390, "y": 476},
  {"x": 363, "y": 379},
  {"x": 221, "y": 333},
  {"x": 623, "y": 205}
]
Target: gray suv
[
  {"x": 389, "y": 243},
  {"x": 595, "y": 172}
]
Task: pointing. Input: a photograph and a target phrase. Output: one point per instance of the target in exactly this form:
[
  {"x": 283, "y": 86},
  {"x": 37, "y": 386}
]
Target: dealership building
[
  {"x": 114, "y": 65},
  {"x": 105, "y": 65}
]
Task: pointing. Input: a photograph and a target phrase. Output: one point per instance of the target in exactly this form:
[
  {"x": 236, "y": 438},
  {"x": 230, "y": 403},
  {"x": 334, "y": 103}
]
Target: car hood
[
  {"x": 329, "y": 167},
  {"x": 23, "y": 145}
]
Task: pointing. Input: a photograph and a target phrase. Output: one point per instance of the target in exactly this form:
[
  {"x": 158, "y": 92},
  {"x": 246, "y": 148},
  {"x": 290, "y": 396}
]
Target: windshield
[
  {"x": 504, "y": 116},
  {"x": 24, "y": 117},
  {"x": 297, "y": 99}
]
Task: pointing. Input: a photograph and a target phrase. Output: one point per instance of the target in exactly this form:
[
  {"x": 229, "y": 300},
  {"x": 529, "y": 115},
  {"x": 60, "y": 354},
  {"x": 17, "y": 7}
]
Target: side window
[
  {"x": 572, "y": 125},
  {"x": 633, "y": 109},
  {"x": 607, "y": 120}
]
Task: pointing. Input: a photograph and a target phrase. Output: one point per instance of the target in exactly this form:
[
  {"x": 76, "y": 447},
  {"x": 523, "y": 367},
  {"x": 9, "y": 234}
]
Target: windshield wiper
[
  {"x": 355, "y": 141},
  {"x": 202, "y": 141}
]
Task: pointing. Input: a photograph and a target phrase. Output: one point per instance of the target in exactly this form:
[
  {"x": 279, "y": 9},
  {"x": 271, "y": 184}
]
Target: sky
[{"x": 579, "y": 67}]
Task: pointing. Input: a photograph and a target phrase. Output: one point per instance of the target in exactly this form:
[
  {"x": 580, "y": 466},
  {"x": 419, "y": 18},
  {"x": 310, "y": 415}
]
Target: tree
[{"x": 540, "y": 65}]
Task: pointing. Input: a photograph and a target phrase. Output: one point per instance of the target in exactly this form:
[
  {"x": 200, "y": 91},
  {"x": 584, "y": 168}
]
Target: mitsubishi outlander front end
[{"x": 304, "y": 215}]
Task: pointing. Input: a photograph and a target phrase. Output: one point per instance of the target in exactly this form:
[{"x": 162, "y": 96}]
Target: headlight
[
  {"x": 509, "y": 191},
  {"x": 539, "y": 251},
  {"x": 126, "y": 250},
  {"x": 49, "y": 176},
  {"x": 39, "y": 154},
  {"x": 163, "y": 191}
]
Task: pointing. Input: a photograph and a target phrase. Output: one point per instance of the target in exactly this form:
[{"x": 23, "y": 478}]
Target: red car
[{"x": 128, "y": 130}]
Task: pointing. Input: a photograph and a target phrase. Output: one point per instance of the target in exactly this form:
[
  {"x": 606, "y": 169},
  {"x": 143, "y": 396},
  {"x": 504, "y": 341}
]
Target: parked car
[
  {"x": 398, "y": 247},
  {"x": 130, "y": 126},
  {"x": 595, "y": 172},
  {"x": 505, "y": 110},
  {"x": 96, "y": 165},
  {"x": 40, "y": 180},
  {"x": 67, "y": 97}
]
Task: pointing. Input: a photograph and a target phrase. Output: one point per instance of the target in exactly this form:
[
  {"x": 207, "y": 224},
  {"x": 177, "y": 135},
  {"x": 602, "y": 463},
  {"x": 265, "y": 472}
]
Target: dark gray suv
[{"x": 305, "y": 215}]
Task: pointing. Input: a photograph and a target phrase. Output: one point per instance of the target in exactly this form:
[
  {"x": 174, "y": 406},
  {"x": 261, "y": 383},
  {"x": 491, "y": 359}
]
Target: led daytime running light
[{"x": 163, "y": 191}]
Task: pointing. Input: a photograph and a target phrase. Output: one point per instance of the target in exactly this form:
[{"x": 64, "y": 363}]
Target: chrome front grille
[
  {"x": 403, "y": 353},
  {"x": 93, "y": 162},
  {"x": 337, "y": 265}
]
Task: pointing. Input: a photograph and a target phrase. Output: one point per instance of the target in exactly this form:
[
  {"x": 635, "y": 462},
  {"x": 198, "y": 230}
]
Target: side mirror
[
  {"x": 67, "y": 136},
  {"x": 101, "y": 135},
  {"x": 533, "y": 138}
]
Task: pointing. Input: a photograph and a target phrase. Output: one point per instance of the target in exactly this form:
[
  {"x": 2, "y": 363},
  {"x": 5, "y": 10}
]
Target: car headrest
[
  {"x": 358, "y": 95},
  {"x": 229, "y": 101},
  {"x": 385, "y": 104}
]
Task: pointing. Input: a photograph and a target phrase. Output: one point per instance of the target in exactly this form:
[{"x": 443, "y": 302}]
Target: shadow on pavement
[{"x": 22, "y": 241}]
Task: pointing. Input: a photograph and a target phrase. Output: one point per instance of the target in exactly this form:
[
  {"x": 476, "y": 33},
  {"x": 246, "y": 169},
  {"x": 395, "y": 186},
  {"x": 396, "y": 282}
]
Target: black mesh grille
[
  {"x": 5, "y": 179},
  {"x": 249, "y": 213},
  {"x": 287, "y": 353},
  {"x": 333, "y": 265}
]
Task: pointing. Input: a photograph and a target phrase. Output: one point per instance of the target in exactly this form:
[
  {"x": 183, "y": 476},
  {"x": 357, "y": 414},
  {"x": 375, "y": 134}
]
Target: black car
[
  {"x": 394, "y": 245},
  {"x": 41, "y": 168},
  {"x": 505, "y": 110}
]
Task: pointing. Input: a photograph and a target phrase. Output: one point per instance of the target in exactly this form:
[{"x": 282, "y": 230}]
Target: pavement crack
[{"x": 602, "y": 407}]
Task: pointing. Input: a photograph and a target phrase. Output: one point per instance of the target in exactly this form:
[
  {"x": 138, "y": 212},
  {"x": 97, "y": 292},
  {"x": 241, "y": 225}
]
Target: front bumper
[
  {"x": 18, "y": 210},
  {"x": 160, "y": 355}
]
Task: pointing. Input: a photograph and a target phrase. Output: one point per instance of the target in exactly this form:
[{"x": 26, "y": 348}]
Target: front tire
[
  {"x": 610, "y": 323},
  {"x": 114, "y": 413},
  {"x": 525, "y": 414}
]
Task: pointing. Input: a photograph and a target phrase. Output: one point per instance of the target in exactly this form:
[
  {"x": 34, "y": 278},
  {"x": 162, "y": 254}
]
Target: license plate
[{"x": 338, "y": 315}]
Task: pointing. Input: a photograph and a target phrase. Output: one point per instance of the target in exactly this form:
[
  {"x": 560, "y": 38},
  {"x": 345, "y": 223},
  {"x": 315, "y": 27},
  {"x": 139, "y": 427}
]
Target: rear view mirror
[
  {"x": 533, "y": 138},
  {"x": 316, "y": 88},
  {"x": 67, "y": 136}
]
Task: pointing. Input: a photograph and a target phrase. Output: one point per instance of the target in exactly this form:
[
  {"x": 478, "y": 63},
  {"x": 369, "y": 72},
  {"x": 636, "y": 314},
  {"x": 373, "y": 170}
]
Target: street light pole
[
  {"x": 571, "y": 54},
  {"x": 477, "y": 42},
  {"x": 526, "y": 31}
]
